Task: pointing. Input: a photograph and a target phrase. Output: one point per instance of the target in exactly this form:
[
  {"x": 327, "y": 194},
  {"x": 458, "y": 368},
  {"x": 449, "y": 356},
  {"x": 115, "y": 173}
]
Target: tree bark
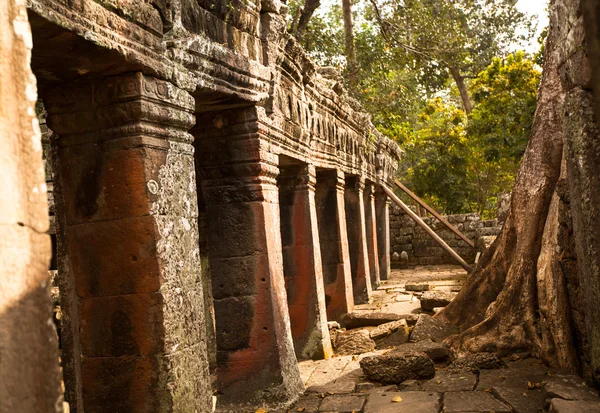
[
  {"x": 349, "y": 39},
  {"x": 462, "y": 88},
  {"x": 306, "y": 13},
  {"x": 497, "y": 309}
]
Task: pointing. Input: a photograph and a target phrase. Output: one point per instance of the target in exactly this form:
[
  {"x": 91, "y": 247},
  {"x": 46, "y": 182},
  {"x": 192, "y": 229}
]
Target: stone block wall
[{"x": 406, "y": 235}]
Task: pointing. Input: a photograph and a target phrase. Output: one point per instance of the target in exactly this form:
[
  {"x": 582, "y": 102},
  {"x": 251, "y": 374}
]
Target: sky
[{"x": 537, "y": 8}]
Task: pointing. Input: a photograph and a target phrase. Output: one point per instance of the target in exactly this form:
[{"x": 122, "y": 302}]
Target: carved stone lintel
[{"x": 120, "y": 108}]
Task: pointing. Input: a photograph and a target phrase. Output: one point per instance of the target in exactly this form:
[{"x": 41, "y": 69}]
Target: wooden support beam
[
  {"x": 425, "y": 227},
  {"x": 434, "y": 213}
]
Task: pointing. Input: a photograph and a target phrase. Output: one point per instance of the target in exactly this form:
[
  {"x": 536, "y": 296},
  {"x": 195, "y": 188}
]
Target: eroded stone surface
[
  {"x": 354, "y": 342},
  {"x": 435, "y": 351},
  {"x": 433, "y": 299},
  {"x": 394, "y": 368},
  {"x": 430, "y": 328},
  {"x": 476, "y": 362}
]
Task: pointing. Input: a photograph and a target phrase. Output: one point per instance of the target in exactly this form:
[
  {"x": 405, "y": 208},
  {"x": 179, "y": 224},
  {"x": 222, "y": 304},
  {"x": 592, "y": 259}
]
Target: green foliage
[
  {"x": 405, "y": 50},
  {"x": 505, "y": 95},
  {"x": 437, "y": 155},
  {"x": 443, "y": 34},
  {"x": 461, "y": 164}
]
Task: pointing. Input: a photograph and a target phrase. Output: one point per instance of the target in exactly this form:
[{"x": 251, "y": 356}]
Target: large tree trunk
[
  {"x": 462, "y": 88},
  {"x": 349, "y": 38},
  {"x": 498, "y": 308}
]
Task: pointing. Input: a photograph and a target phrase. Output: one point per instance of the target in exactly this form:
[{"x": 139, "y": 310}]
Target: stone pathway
[
  {"x": 524, "y": 385},
  {"x": 392, "y": 296}
]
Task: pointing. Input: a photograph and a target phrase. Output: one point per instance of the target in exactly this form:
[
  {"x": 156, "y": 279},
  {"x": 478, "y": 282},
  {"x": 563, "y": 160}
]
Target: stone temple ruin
[{"x": 214, "y": 202}]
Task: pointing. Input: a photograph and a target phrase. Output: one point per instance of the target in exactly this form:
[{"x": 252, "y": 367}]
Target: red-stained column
[
  {"x": 256, "y": 362},
  {"x": 302, "y": 262},
  {"x": 357, "y": 239},
  {"x": 382, "y": 212},
  {"x": 335, "y": 255},
  {"x": 371, "y": 234},
  {"x": 129, "y": 269}
]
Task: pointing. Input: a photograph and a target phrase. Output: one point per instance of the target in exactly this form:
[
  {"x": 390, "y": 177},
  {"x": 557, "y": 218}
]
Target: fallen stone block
[
  {"x": 384, "y": 330},
  {"x": 358, "y": 320},
  {"x": 473, "y": 402},
  {"x": 395, "y": 339},
  {"x": 353, "y": 342},
  {"x": 342, "y": 387},
  {"x": 396, "y": 367},
  {"x": 573, "y": 406},
  {"x": 390, "y": 334},
  {"x": 435, "y": 351},
  {"x": 433, "y": 299},
  {"x": 431, "y": 328},
  {"x": 476, "y": 362},
  {"x": 417, "y": 287}
]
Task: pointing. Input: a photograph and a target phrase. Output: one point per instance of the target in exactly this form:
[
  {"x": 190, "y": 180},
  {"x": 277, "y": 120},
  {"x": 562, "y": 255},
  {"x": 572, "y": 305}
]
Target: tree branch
[{"x": 307, "y": 11}]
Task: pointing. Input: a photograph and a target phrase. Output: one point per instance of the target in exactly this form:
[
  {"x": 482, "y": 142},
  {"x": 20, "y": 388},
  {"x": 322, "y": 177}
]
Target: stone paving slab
[
  {"x": 571, "y": 406},
  {"x": 522, "y": 401},
  {"x": 445, "y": 382},
  {"x": 342, "y": 404},
  {"x": 385, "y": 401},
  {"x": 569, "y": 387},
  {"x": 307, "y": 368},
  {"x": 327, "y": 371},
  {"x": 308, "y": 404},
  {"x": 517, "y": 375},
  {"x": 473, "y": 402}
]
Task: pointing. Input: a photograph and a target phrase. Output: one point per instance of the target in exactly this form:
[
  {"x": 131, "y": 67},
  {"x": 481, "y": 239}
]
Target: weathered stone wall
[
  {"x": 29, "y": 370},
  {"x": 226, "y": 54},
  {"x": 406, "y": 235}
]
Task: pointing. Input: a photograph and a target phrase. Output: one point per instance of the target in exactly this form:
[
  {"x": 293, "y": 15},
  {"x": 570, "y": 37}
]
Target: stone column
[
  {"x": 331, "y": 216},
  {"x": 29, "y": 370},
  {"x": 357, "y": 239},
  {"x": 302, "y": 263},
  {"x": 255, "y": 354},
  {"x": 128, "y": 243},
  {"x": 382, "y": 213},
  {"x": 371, "y": 233}
]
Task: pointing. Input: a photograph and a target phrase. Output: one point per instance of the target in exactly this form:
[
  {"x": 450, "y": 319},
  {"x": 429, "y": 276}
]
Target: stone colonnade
[
  {"x": 289, "y": 246},
  {"x": 189, "y": 244}
]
